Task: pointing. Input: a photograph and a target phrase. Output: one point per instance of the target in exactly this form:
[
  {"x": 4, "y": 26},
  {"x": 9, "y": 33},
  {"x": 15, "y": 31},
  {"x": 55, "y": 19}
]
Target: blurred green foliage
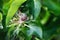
[{"x": 42, "y": 20}]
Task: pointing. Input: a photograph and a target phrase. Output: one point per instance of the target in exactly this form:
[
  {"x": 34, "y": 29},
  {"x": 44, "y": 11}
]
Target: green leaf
[
  {"x": 6, "y": 1},
  {"x": 36, "y": 29},
  {"x": 46, "y": 17},
  {"x": 13, "y": 8},
  {"x": 1, "y": 4},
  {"x": 10, "y": 31},
  {"x": 51, "y": 29},
  {"x": 5, "y": 8},
  {"x": 52, "y": 6},
  {"x": 34, "y": 7},
  {"x": 0, "y": 17},
  {"x": 47, "y": 34},
  {"x": 33, "y": 30}
]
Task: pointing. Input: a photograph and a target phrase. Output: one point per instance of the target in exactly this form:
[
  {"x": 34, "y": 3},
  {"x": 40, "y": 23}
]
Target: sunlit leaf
[
  {"x": 46, "y": 17},
  {"x": 0, "y": 17},
  {"x": 6, "y": 6},
  {"x": 13, "y": 8}
]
